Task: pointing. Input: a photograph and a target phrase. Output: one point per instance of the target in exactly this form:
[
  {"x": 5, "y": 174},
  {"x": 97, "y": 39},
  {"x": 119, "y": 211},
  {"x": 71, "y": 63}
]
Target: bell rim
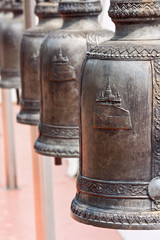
[
  {"x": 11, "y": 83},
  {"x": 28, "y": 119},
  {"x": 56, "y": 150},
  {"x": 95, "y": 216}
]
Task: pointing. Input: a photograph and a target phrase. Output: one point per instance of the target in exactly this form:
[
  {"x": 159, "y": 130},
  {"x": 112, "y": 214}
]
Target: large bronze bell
[
  {"x": 119, "y": 181},
  {"x": 10, "y": 41},
  {"x": 49, "y": 19},
  {"x": 62, "y": 55}
]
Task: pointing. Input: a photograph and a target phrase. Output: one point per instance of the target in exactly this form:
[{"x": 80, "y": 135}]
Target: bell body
[
  {"x": 62, "y": 55},
  {"x": 5, "y": 16},
  {"x": 30, "y": 49},
  {"x": 118, "y": 183},
  {"x": 10, "y": 40}
]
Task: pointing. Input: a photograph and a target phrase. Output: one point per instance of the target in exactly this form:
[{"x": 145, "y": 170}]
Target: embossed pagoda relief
[
  {"x": 109, "y": 113},
  {"x": 34, "y": 60},
  {"x": 61, "y": 70}
]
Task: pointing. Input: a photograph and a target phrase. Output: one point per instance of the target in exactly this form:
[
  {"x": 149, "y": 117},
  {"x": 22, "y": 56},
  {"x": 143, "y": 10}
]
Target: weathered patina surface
[
  {"x": 10, "y": 46},
  {"x": 49, "y": 20},
  {"x": 118, "y": 184},
  {"x": 62, "y": 55}
]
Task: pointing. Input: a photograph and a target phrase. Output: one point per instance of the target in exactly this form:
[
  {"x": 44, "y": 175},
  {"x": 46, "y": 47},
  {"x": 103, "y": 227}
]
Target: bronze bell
[
  {"x": 119, "y": 181},
  {"x": 61, "y": 57},
  {"x": 5, "y": 15},
  {"x": 49, "y": 20},
  {"x": 10, "y": 40}
]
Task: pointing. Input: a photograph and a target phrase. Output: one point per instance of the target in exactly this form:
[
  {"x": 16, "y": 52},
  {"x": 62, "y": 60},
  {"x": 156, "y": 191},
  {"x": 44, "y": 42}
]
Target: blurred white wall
[{"x": 104, "y": 19}]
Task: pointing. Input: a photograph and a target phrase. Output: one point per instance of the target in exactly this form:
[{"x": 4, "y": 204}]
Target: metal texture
[
  {"x": 9, "y": 141},
  {"x": 49, "y": 20},
  {"x": 5, "y": 16},
  {"x": 10, "y": 46},
  {"x": 119, "y": 184},
  {"x": 62, "y": 54}
]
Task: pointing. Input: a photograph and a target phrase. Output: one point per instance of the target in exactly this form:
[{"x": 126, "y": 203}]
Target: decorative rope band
[
  {"x": 113, "y": 189},
  {"x": 122, "y": 51},
  {"x": 134, "y": 9},
  {"x": 56, "y": 150},
  {"x": 59, "y": 132},
  {"x": 30, "y": 104},
  {"x": 47, "y": 10},
  {"x": 5, "y": 73},
  {"x": 133, "y": 220},
  {"x": 80, "y": 8}
]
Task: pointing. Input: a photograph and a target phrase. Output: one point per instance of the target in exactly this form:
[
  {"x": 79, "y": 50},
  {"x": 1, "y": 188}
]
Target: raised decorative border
[
  {"x": 92, "y": 7},
  {"x": 37, "y": 32},
  {"x": 114, "y": 189},
  {"x": 46, "y": 10},
  {"x": 123, "y": 220},
  {"x": 11, "y": 82},
  {"x": 30, "y": 104},
  {"x": 28, "y": 118},
  {"x": 59, "y": 131},
  {"x": 92, "y": 37},
  {"x": 54, "y": 150},
  {"x": 9, "y": 73},
  {"x": 156, "y": 118},
  {"x": 122, "y": 51},
  {"x": 134, "y": 9}
]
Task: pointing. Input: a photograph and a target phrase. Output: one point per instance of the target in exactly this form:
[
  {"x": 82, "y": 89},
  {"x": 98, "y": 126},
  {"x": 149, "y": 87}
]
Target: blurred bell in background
[
  {"x": 49, "y": 19},
  {"x": 5, "y": 13},
  {"x": 61, "y": 58},
  {"x": 10, "y": 46}
]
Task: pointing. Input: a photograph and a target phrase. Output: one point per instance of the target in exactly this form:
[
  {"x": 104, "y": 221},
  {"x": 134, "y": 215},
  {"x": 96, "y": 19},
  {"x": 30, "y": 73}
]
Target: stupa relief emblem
[
  {"x": 109, "y": 113},
  {"x": 61, "y": 70},
  {"x": 35, "y": 61}
]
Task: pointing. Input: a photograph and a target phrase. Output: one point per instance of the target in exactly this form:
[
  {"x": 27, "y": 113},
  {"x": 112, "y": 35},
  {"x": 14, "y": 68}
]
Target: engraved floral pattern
[
  {"x": 134, "y": 10},
  {"x": 80, "y": 7},
  {"x": 63, "y": 132},
  {"x": 120, "y": 51},
  {"x": 116, "y": 189},
  {"x": 107, "y": 217}
]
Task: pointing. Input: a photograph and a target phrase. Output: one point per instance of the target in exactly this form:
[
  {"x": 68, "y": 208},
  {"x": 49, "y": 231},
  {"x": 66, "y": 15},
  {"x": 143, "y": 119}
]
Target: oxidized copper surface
[
  {"x": 49, "y": 20},
  {"x": 62, "y": 55},
  {"x": 10, "y": 45},
  {"x": 119, "y": 185}
]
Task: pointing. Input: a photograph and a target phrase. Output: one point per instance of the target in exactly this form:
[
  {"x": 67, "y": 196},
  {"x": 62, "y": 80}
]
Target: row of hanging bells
[{"x": 118, "y": 185}]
